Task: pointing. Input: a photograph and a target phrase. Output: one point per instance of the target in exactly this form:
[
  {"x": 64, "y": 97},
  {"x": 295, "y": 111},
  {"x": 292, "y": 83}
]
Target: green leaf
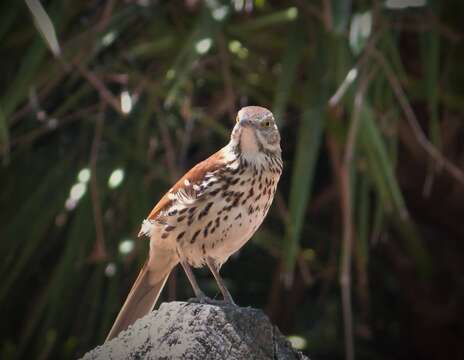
[
  {"x": 431, "y": 61},
  {"x": 290, "y": 61},
  {"x": 307, "y": 151},
  {"x": 415, "y": 247},
  {"x": 9, "y": 11},
  {"x": 362, "y": 223},
  {"x": 44, "y": 25},
  {"x": 19, "y": 87},
  {"x": 380, "y": 164},
  {"x": 21, "y": 252},
  {"x": 341, "y": 15},
  {"x": 265, "y": 21},
  {"x": 4, "y": 137}
]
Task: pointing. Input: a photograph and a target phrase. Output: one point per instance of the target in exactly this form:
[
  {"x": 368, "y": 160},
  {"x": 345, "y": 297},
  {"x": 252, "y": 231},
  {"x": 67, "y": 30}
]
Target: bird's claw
[
  {"x": 209, "y": 301},
  {"x": 199, "y": 300}
]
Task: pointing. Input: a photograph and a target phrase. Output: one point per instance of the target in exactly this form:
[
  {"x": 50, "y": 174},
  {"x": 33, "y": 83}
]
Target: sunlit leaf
[
  {"x": 360, "y": 30},
  {"x": 278, "y": 17},
  {"x": 44, "y": 25}
]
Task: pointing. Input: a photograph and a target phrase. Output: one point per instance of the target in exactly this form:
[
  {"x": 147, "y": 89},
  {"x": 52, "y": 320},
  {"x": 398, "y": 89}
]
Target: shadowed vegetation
[{"x": 104, "y": 104}]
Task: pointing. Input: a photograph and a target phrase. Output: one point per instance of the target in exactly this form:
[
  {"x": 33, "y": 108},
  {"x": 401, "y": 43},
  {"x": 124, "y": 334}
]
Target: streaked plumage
[{"x": 211, "y": 212}]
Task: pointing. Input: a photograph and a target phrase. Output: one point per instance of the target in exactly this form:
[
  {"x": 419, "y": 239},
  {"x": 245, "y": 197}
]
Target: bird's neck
[{"x": 258, "y": 158}]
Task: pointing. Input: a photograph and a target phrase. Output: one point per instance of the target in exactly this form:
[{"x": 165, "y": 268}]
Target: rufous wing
[{"x": 186, "y": 183}]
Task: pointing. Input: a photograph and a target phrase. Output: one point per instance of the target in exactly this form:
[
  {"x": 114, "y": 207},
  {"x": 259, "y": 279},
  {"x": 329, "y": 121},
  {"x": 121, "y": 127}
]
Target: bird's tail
[{"x": 145, "y": 292}]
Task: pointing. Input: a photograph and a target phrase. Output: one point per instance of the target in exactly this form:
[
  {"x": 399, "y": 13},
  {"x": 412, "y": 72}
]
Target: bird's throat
[{"x": 248, "y": 142}]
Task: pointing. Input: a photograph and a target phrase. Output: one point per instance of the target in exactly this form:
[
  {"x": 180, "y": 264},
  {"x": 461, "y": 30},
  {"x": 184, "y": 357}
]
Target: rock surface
[{"x": 180, "y": 330}]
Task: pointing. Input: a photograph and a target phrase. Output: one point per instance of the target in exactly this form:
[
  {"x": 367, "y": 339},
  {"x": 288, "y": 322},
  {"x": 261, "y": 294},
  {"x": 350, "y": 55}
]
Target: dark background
[{"x": 140, "y": 91}]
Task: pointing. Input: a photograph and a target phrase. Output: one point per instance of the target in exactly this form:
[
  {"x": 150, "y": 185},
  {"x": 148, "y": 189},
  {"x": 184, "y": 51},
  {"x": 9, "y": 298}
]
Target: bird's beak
[{"x": 244, "y": 122}]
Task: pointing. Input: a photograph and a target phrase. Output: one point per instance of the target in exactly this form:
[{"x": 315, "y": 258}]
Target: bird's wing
[{"x": 187, "y": 189}]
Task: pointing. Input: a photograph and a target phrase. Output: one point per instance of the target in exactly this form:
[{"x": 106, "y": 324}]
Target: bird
[{"x": 209, "y": 214}]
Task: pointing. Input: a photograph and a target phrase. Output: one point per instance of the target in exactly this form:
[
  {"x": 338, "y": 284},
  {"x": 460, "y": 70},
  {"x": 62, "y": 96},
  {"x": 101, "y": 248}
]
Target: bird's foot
[
  {"x": 209, "y": 301},
  {"x": 229, "y": 303},
  {"x": 228, "y": 300},
  {"x": 200, "y": 299}
]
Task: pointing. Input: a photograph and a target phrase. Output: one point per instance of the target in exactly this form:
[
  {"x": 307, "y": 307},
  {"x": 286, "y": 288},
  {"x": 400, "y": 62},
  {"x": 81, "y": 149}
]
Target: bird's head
[{"x": 255, "y": 132}]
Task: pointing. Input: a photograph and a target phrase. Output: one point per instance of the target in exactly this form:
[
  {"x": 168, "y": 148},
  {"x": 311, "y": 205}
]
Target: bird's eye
[
  {"x": 266, "y": 124},
  {"x": 237, "y": 119}
]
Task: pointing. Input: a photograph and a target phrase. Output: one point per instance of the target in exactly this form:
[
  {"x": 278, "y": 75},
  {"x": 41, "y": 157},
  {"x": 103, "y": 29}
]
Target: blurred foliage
[{"x": 103, "y": 104}]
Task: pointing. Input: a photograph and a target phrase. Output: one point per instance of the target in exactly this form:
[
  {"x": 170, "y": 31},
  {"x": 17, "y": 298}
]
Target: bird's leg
[
  {"x": 196, "y": 289},
  {"x": 214, "y": 269}
]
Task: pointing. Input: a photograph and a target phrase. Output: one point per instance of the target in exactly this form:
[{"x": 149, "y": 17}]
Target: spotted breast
[{"x": 219, "y": 213}]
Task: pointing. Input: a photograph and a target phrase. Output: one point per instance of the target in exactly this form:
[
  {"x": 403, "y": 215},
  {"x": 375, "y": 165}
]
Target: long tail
[{"x": 143, "y": 295}]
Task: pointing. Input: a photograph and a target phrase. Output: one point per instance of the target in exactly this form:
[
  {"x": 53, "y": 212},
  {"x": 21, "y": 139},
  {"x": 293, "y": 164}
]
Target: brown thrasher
[{"x": 210, "y": 213}]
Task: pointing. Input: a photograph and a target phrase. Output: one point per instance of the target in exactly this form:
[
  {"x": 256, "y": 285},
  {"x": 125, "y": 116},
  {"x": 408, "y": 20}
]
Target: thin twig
[
  {"x": 274, "y": 298},
  {"x": 311, "y": 10},
  {"x": 327, "y": 13},
  {"x": 343, "y": 88},
  {"x": 105, "y": 94},
  {"x": 106, "y": 16},
  {"x": 425, "y": 23},
  {"x": 45, "y": 129},
  {"x": 323, "y": 198},
  {"x": 347, "y": 219},
  {"x": 305, "y": 271},
  {"x": 99, "y": 251},
  {"x": 353, "y": 72},
  {"x": 431, "y": 150},
  {"x": 48, "y": 87},
  {"x": 28, "y": 106}
]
